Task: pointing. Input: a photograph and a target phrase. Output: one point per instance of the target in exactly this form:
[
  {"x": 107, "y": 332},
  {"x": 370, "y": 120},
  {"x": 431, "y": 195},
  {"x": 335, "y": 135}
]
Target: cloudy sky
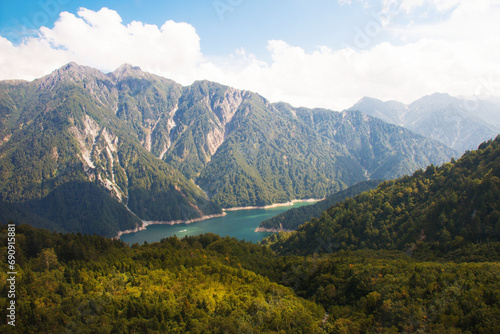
[{"x": 314, "y": 53}]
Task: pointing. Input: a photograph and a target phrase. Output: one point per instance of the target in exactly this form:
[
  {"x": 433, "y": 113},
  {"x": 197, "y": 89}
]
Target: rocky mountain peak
[
  {"x": 76, "y": 71},
  {"x": 71, "y": 73},
  {"x": 70, "y": 66},
  {"x": 127, "y": 70},
  {"x": 368, "y": 99}
]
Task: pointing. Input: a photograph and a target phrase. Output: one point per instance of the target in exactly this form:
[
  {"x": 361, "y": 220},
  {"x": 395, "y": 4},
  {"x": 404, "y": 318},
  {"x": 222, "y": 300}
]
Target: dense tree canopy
[
  {"x": 207, "y": 284},
  {"x": 89, "y": 284}
]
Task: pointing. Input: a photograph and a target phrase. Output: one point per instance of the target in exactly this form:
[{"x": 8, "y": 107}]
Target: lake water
[{"x": 240, "y": 224}]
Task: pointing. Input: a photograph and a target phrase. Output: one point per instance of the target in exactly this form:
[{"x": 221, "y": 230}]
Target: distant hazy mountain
[
  {"x": 152, "y": 145},
  {"x": 458, "y": 123}
]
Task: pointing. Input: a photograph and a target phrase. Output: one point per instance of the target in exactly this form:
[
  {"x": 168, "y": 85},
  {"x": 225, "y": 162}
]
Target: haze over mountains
[
  {"x": 159, "y": 151},
  {"x": 461, "y": 124}
]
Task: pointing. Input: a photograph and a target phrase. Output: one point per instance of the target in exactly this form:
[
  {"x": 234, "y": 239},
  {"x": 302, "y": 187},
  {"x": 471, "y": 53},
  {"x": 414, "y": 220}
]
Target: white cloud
[
  {"x": 32, "y": 59},
  {"x": 100, "y": 39},
  {"x": 337, "y": 79},
  {"x": 458, "y": 55}
]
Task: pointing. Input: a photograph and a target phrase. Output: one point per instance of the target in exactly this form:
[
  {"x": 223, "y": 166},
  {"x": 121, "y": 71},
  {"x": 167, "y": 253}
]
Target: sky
[{"x": 312, "y": 53}]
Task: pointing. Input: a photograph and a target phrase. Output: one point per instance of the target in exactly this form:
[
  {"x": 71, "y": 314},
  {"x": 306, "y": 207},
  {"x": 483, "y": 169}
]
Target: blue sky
[
  {"x": 223, "y": 26},
  {"x": 324, "y": 53}
]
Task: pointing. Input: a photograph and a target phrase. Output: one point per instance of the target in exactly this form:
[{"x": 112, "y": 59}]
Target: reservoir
[{"x": 240, "y": 224}]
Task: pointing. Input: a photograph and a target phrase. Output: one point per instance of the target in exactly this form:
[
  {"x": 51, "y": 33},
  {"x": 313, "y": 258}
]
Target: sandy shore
[
  {"x": 137, "y": 229},
  {"x": 273, "y": 205}
]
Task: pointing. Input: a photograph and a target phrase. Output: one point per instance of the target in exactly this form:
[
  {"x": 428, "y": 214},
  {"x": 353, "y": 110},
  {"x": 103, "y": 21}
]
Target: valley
[{"x": 247, "y": 167}]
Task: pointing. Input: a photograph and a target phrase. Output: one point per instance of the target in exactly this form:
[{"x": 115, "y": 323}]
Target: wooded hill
[{"x": 88, "y": 284}]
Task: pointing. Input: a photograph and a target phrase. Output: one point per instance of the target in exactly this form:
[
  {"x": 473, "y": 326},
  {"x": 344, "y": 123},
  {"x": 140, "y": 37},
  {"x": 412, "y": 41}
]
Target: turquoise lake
[{"x": 240, "y": 224}]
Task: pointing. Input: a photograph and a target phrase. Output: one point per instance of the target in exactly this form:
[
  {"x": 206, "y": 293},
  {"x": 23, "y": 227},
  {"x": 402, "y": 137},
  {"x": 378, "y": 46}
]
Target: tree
[{"x": 46, "y": 260}]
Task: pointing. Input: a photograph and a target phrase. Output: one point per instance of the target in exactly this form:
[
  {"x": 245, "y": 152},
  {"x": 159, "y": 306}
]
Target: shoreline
[
  {"x": 137, "y": 229},
  {"x": 146, "y": 223},
  {"x": 270, "y": 206},
  {"x": 272, "y": 230}
]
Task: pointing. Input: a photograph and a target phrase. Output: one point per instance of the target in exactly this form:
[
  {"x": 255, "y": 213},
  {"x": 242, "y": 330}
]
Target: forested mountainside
[
  {"x": 165, "y": 152},
  {"x": 90, "y": 284},
  {"x": 461, "y": 124},
  {"x": 244, "y": 151},
  {"x": 76, "y": 206},
  {"x": 63, "y": 129},
  {"x": 382, "y": 150},
  {"x": 442, "y": 208},
  {"x": 293, "y": 218}
]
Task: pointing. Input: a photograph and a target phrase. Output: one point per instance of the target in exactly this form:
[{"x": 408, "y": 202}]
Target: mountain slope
[
  {"x": 458, "y": 123},
  {"x": 269, "y": 158},
  {"x": 62, "y": 128},
  {"x": 202, "y": 123},
  {"x": 382, "y": 151},
  {"x": 244, "y": 151},
  {"x": 76, "y": 206},
  {"x": 444, "y": 206}
]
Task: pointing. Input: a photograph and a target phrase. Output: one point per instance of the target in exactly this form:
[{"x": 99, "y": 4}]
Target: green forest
[
  {"x": 73, "y": 283},
  {"x": 415, "y": 255}
]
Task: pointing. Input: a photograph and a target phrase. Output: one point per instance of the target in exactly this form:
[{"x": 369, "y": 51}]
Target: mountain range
[
  {"x": 459, "y": 123},
  {"x": 155, "y": 150}
]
